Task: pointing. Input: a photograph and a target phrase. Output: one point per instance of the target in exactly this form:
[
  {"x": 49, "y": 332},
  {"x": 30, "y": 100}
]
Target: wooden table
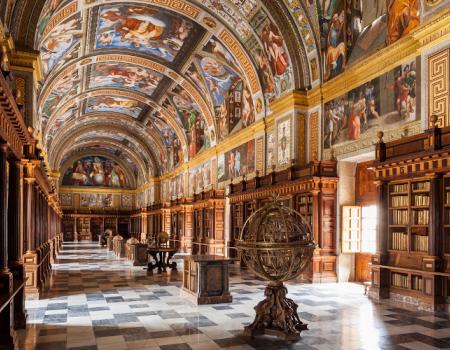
[
  {"x": 205, "y": 277},
  {"x": 162, "y": 256}
]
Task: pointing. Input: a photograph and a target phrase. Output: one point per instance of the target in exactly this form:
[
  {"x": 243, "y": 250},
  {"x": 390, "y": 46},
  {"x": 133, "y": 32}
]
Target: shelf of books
[
  {"x": 446, "y": 218},
  {"x": 304, "y": 206},
  {"x": 409, "y": 216}
]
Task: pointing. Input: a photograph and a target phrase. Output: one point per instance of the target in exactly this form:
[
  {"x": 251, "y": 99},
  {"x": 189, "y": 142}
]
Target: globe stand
[{"x": 276, "y": 315}]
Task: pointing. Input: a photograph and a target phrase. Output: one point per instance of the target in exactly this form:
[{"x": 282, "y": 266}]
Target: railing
[{"x": 230, "y": 252}]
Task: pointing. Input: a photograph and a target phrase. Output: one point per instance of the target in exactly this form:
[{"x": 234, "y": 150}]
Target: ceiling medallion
[{"x": 209, "y": 22}]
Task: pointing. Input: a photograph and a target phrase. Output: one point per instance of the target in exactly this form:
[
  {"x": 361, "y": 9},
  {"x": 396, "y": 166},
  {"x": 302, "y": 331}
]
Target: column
[
  {"x": 5, "y": 274},
  {"x": 6, "y": 277},
  {"x": 15, "y": 250},
  {"x": 75, "y": 233},
  {"x": 30, "y": 258}
]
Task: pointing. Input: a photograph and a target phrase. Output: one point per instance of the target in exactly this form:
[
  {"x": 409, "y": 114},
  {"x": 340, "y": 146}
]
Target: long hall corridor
[{"x": 97, "y": 301}]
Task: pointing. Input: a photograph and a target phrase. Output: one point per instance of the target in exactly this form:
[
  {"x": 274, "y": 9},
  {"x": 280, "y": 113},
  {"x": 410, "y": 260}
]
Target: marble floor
[{"x": 97, "y": 301}]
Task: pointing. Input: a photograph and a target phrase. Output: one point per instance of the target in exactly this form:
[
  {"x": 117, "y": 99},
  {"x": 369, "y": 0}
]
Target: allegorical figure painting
[
  {"x": 237, "y": 162},
  {"x": 117, "y": 104},
  {"x": 147, "y": 29},
  {"x": 96, "y": 200},
  {"x": 200, "y": 178},
  {"x": 59, "y": 41},
  {"x": 231, "y": 98},
  {"x": 95, "y": 171},
  {"x": 403, "y": 17},
  {"x": 124, "y": 75},
  {"x": 382, "y": 103},
  {"x": 181, "y": 104}
]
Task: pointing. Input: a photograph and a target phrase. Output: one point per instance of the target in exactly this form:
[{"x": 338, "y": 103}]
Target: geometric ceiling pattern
[{"x": 154, "y": 83}]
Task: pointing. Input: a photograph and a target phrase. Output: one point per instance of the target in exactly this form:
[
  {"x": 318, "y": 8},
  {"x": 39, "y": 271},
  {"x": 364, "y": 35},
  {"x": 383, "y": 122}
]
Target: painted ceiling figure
[
  {"x": 403, "y": 17},
  {"x": 273, "y": 44},
  {"x": 336, "y": 53}
]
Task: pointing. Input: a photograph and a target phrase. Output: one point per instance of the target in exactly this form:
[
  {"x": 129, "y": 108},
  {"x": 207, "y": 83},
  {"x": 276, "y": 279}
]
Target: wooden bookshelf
[{"x": 412, "y": 263}]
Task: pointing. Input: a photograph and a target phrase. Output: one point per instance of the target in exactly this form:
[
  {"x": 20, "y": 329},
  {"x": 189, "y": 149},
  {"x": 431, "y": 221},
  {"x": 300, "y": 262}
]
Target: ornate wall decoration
[
  {"x": 96, "y": 200},
  {"x": 126, "y": 200},
  {"x": 301, "y": 139},
  {"x": 284, "y": 142},
  {"x": 66, "y": 199},
  {"x": 199, "y": 178},
  {"x": 439, "y": 87},
  {"x": 314, "y": 136},
  {"x": 260, "y": 155},
  {"x": 270, "y": 150}
]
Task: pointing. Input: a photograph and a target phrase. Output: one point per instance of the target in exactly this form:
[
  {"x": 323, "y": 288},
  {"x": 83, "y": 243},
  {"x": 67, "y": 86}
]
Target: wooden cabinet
[{"x": 312, "y": 192}]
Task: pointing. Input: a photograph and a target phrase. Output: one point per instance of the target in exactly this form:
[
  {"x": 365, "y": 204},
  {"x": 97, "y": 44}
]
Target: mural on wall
[
  {"x": 383, "y": 103},
  {"x": 47, "y": 12},
  {"x": 237, "y": 162},
  {"x": 124, "y": 75},
  {"x": 231, "y": 98},
  {"x": 66, "y": 199},
  {"x": 270, "y": 150},
  {"x": 181, "y": 104},
  {"x": 95, "y": 171},
  {"x": 59, "y": 41},
  {"x": 126, "y": 200},
  {"x": 147, "y": 29},
  {"x": 284, "y": 142},
  {"x": 200, "y": 178},
  {"x": 116, "y": 104},
  {"x": 96, "y": 200},
  {"x": 177, "y": 186}
]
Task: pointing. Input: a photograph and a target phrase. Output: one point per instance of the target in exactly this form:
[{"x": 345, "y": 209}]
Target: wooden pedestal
[
  {"x": 109, "y": 243},
  {"x": 205, "y": 277},
  {"x": 138, "y": 254}
]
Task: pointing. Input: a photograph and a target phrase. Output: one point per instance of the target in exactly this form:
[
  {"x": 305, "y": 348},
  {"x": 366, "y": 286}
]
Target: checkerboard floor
[{"x": 97, "y": 301}]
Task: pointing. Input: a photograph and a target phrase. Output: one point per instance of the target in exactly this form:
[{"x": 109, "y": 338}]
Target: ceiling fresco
[{"x": 188, "y": 73}]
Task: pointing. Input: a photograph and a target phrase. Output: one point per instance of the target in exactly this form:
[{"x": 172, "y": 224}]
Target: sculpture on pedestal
[{"x": 276, "y": 244}]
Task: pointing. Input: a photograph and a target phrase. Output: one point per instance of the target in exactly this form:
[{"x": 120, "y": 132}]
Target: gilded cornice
[
  {"x": 296, "y": 100},
  {"x": 27, "y": 61},
  {"x": 79, "y": 189}
]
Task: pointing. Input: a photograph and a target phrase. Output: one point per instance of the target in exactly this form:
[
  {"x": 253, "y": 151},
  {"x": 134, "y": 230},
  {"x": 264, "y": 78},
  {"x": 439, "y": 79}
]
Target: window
[{"x": 359, "y": 228}]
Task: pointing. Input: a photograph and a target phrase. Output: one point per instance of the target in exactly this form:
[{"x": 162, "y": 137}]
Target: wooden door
[{"x": 362, "y": 270}]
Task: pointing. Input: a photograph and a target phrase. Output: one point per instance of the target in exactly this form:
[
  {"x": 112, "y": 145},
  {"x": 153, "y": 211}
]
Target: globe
[{"x": 276, "y": 244}]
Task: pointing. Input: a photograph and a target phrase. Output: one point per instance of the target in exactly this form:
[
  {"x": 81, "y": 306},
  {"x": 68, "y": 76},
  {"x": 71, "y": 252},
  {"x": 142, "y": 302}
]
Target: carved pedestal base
[{"x": 276, "y": 315}]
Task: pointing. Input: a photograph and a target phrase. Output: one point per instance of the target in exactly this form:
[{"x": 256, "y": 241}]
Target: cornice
[{"x": 105, "y": 190}]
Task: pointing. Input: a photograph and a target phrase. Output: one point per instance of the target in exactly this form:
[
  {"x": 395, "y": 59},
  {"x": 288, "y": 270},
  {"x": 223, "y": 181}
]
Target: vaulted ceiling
[{"x": 154, "y": 83}]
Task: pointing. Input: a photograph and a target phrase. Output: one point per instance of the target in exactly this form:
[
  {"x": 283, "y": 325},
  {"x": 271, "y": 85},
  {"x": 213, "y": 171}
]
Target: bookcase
[
  {"x": 409, "y": 216},
  {"x": 412, "y": 263}
]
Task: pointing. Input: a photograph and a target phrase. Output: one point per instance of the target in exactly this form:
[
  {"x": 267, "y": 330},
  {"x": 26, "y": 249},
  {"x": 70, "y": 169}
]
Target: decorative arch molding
[
  {"x": 130, "y": 177},
  {"x": 143, "y": 171},
  {"x": 116, "y": 123},
  {"x": 141, "y": 148},
  {"x": 127, "y": 121}
]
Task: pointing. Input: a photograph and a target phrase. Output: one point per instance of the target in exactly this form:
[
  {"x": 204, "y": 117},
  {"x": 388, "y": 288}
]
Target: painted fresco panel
[
  {"x": 270, "y": 150},
  {"x": 200, "y": 178},
  {"x": 124, "y": 75},
  {"x": 147, "y": 29},
  {"x": 117, "y": 104},
  {"x": 60, "y": 41},
  {"x": 237, "y": 162},
  {"x": 96, "y": 200},
  {"x": 284, "y": 142},
  {"x": 95, "y": 171},
  {"x": 126, "y": 200},
  {"x": 383, "y": 103}
]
